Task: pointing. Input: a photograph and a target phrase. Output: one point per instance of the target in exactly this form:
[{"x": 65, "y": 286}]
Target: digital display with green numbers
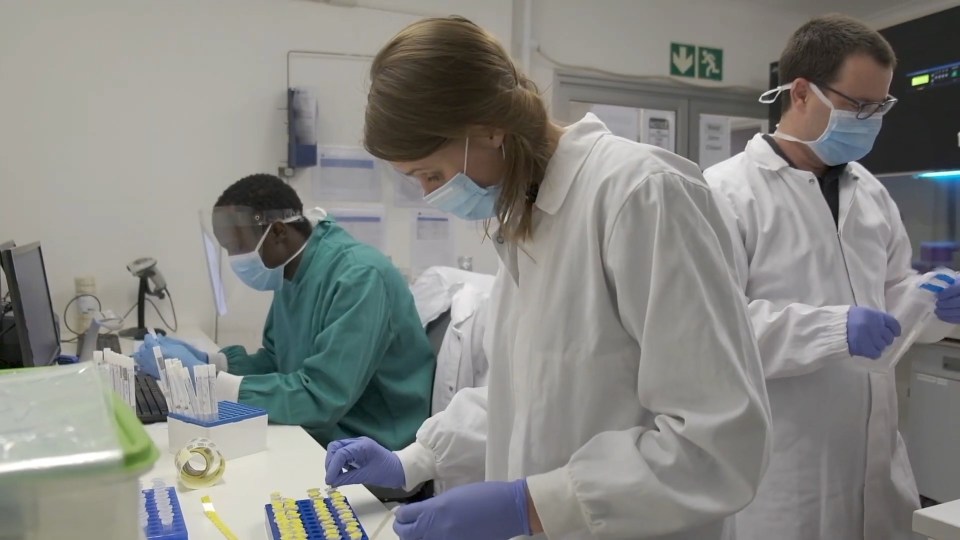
[{"x": 936, "y": 76}]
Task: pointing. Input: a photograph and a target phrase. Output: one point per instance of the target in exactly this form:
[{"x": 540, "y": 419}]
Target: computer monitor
[
  {"x": 4, "y": 246},
  {"x": 36, "y": 324}
]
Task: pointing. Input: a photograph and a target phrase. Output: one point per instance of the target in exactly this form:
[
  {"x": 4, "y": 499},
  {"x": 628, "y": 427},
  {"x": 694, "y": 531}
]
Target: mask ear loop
[
  {"x": 466, "y": 152},
  {"x": 771, "y": 95}
]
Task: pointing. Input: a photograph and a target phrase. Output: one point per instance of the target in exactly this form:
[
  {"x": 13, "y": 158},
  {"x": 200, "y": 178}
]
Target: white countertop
[
  {"x": 292, "y": 464},
  {"x": 941, "y": 522}
]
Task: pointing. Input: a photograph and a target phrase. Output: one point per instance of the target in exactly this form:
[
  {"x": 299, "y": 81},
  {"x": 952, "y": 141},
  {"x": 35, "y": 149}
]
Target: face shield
[
  {"x": 240, "y": 230},
  {"x": 234, "y": 236}
]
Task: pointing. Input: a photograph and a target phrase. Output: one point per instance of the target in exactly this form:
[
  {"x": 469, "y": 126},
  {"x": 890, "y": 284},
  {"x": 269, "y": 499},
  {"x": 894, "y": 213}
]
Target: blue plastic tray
[
  {"x": 311, "y": 523},
  {"x": 229, "y": 412},
  {"x": 154, "y": 530}
]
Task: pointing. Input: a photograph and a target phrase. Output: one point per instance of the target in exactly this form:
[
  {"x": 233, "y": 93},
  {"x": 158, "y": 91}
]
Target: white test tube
[
  {"x": 131, "y": 370},
  {"x": 209, "y": 390},
  {"x": 176, "y": 389},
  {"x": 199, "y": 383},
  {"x": 142, "y": 516},
  {"x": 213, "y": 392},
  {"x": 173, "y": 375},
  {"x": 162, "y": 369},
  {"x": 191, "y": 394}
]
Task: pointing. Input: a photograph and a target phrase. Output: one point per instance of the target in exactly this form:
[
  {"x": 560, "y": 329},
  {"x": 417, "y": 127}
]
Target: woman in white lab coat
[{"x": 625, "y": 395}]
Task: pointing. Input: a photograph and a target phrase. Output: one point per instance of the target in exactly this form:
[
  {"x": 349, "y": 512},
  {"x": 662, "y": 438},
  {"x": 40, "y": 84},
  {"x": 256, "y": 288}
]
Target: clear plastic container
[
  {"x": 68, "y": 451},
  {"x": 914, "y": 314}
]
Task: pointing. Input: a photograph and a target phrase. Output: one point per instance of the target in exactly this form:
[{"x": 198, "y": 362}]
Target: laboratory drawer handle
[{"x": 951, "y": 363}]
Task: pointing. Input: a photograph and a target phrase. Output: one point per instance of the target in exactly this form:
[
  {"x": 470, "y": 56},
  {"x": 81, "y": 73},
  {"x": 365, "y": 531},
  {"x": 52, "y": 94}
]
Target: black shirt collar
[{"x": 832, "y": 174}]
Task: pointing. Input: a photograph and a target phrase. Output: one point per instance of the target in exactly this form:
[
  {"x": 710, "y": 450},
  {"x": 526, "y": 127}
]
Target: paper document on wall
[
  {"x": 621, "y": 121},
  {"x": 345, "y": 174},
  {"x": 368, "y": 225},
  {"x": 431, "y": 243},
  {"x": 714, "y": 139},
  {"x": 659, "y": 128},
  {"x": 211, "y": 252}
]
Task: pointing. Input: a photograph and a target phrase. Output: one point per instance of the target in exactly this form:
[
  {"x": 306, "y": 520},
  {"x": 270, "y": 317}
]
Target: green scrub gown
[{"x": 344, "y": 354}]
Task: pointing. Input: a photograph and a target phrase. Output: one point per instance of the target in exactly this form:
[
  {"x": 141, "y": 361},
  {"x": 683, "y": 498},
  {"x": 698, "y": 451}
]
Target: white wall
[
  {"x": 632, "y": 38},
  {"x": 119, "y": 119},
  {"x": 122, "y": 118}
]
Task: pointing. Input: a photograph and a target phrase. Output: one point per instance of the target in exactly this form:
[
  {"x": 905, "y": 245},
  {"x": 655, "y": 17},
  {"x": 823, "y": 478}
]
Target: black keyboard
[{"x": 151, "y": 405}]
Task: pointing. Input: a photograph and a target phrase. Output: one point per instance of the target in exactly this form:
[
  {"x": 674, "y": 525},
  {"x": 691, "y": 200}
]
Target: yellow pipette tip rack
[{"x": 324, "y": 515}]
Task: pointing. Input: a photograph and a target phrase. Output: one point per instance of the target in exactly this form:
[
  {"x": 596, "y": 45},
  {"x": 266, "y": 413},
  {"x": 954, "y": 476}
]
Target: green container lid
[{"x": 139, "y": 452}]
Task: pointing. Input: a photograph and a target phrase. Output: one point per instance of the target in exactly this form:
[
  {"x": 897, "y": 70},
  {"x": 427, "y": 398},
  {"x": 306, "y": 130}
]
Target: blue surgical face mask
[
  {"x": 845, "y": 139},
  {"x": 250, "y": 269},
  {"x": 462, "y": 197}
]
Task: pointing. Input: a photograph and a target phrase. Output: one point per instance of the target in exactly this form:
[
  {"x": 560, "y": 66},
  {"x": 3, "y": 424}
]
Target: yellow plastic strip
[{"x": 215, "y": 518}]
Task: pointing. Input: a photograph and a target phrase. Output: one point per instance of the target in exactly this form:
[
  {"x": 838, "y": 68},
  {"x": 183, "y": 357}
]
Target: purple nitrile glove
[
  {"x": 363, "y": 461},
  {"x": 870, "y": 331},
  {"x": 948, "y": 304},
  {"x": 480, "y": 511}
]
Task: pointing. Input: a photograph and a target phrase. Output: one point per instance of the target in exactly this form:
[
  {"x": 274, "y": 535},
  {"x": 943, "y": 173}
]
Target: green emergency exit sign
[
  {"x": 683, "y": 58},
  {"x": 688, "y": 60}
]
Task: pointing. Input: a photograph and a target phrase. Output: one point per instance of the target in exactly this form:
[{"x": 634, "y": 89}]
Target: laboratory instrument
[{"x": 145, "y": 269}]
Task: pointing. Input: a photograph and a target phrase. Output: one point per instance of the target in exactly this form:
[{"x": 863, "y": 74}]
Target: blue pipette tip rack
[
  {"x": 311, "y": 523},
  {"x": 154, "y": 529},
  {"x": 229, "y": 412}
]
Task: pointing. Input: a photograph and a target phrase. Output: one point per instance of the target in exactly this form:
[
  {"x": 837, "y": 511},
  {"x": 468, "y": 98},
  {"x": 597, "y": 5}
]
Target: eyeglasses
[{"x": 865, "y": 109}]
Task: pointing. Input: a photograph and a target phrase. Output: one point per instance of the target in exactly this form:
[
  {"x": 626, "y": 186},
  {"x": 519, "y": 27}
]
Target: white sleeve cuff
[
  {"x": 419, "y": 465},
  {"x": 556, "y": 503},
  {"x": 836, "y": 346},
  {"x": 220, "y": 360},
  {"x": 228, "y": 386}
]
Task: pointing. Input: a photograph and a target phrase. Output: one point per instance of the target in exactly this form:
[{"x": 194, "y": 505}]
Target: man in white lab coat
[{"x": 826, "y": 258}]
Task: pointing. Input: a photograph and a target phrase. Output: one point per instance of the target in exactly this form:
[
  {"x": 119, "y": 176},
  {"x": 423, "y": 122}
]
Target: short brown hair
[
  {"x": 440, "y": 77},
  {"x": 817, "y": 50}
]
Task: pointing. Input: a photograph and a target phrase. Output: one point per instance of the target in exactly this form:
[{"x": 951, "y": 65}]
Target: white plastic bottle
[
  {"x": 86, "y": 306},
  {"x": 914, "y": 314}
]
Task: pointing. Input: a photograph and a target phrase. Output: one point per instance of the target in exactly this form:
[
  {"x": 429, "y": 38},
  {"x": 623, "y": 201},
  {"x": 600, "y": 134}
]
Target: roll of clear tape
[{"x": 214, "y": 464}]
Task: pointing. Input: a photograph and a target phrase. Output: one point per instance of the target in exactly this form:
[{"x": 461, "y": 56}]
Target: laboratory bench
[
  {"x": 928, "y": 381},
  {"x": 292, "y": 464}
]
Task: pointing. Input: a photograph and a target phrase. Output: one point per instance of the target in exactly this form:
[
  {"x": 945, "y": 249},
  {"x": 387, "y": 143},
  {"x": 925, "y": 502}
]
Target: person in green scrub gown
[{"x": 344, "y": 353}]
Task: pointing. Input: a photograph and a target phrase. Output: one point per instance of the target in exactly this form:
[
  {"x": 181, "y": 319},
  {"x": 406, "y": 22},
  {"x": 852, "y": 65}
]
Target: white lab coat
[
  {"x": 625, "y": 382},
  {"x": 838, "y": 466},
  {"x": 434, "y": 289},
  {"x": 461, "y": 362}
]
